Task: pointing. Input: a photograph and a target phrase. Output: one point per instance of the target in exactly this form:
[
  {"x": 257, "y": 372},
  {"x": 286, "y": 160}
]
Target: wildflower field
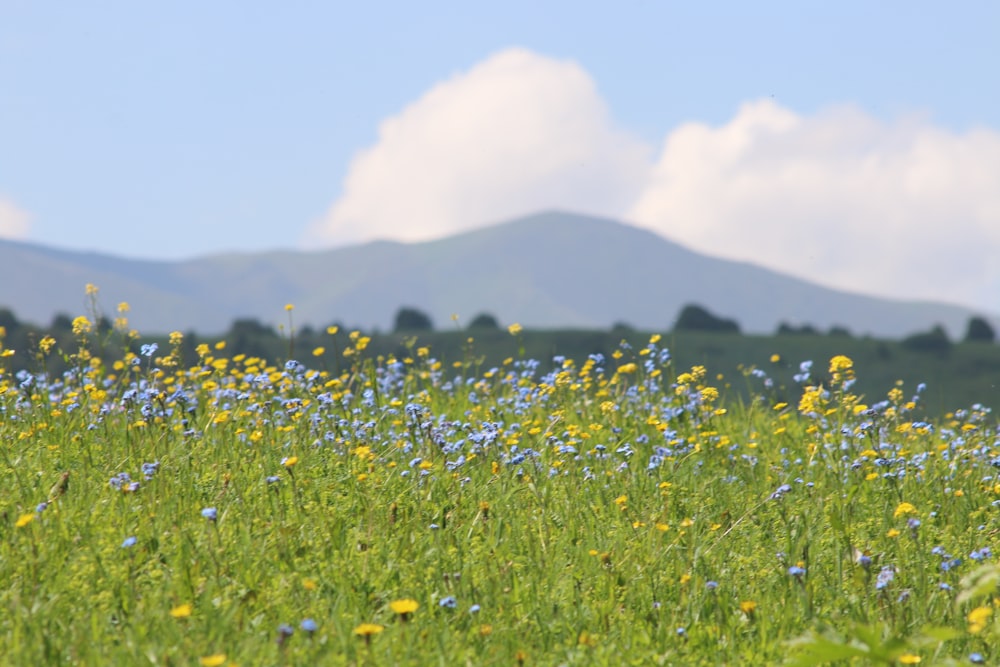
[{"x": 414, "y": 511}]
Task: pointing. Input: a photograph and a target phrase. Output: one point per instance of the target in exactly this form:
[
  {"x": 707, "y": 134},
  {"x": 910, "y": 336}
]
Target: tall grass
[{"x": 407, "y": 511}]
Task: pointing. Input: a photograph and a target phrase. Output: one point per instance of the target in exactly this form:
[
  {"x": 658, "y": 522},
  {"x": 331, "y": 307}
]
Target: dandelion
[
  {"x": 904, "y": 508},
  {"x": 24, "y": 520},
  {"x": 909, "y": 659},
  {"x": 748, "y": 607},
  {"x": 515, "y": 329},
  {"x": 404, "y": 607},
  {"x": 977, "y": 619},
  {"x": 367, "y": 630},
  {"x": 290, "y": 461},
  {"x": 181, "y": 611},
  {"x": 212, "y": 660}
]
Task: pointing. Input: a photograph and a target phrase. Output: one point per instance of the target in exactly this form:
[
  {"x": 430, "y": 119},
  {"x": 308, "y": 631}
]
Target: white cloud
[
  {"x": 517, "y": 133},
  {"x": 899, "y": 208},
  {"x": 902, "y": 208},
  {"x": 14, "y": 222}
]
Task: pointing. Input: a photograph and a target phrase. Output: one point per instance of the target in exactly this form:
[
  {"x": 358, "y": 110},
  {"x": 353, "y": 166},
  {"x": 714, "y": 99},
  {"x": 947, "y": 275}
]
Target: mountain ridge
[{"x": 548, "y": 270}]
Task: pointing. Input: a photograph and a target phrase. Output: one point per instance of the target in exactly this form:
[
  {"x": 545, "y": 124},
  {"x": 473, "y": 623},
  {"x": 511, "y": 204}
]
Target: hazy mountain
[{"x": 548, "y": 270}]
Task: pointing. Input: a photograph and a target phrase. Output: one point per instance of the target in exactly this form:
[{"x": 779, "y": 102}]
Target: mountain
[{"x": 548, "y": 270}]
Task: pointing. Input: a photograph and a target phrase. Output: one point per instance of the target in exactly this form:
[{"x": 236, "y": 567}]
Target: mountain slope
[{"x": 547, "y": 270}]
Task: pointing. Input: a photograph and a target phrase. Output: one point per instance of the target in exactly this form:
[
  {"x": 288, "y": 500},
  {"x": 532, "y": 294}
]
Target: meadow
[{"x": 402, "y": 509}]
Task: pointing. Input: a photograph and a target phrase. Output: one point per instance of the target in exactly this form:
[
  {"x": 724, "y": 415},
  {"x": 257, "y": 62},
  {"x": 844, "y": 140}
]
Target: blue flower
[
  {"x": 309, "y": 625},
  {"x": 148, "y": 350},
  {"x": 977, "y": 659},
  {"x": 474, "y": 609},
  {"x": 448, "y": 602},
  {"x": 796, "y": 571},
  {"x": 711, "y": 585},
  {"x": 885, "y": 577},
  {"x": 272, "y": 479},
  {"x": 210, "y": 513},
  {"x": 129, "y": 542}
]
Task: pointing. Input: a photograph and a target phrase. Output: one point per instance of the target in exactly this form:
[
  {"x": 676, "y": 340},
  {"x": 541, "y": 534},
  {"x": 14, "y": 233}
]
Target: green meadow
[{"x": 350, "y": 506}]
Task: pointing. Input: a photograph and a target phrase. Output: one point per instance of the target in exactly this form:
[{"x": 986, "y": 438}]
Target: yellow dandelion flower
[
  {"x": 748, "y": 607},
  {"x": 319, "y": 351},
  {"x": 909, "y": 659},
  {"x": 289, "y": 307},
  {"x": 892, "y": 533},
  {"x": 515, "y": 329},
  {"x": 181, "y": 611},
  {"x": 24, "y": 520},
  {"x": 903, "y": 509},
  {"x": 213, "y": 660},
  {"x": 977, "y": 619},
  {"x": 290, "y": 461},
  {"x": 368, "y": 629},
  {"x": 775, "y": 358},
  {"x": 404, "y": 606}
]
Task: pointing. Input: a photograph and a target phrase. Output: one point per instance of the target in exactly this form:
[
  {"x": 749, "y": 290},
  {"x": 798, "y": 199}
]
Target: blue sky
[{"x": 853, "y": 143}]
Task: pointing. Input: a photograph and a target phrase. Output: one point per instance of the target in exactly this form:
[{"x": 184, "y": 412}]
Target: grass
[{"x": 406, "y": 511}]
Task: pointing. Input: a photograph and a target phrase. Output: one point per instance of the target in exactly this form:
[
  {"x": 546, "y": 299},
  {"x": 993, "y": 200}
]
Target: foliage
[
  {"x": 387, "y": 508},
  {"x": 411, "y": 319},
  {"x": 484, "y": 321},
  {"x": 979, "y": 331},
  {"x": 935, "y": 340},
  {"x": 696, "y": 318}
]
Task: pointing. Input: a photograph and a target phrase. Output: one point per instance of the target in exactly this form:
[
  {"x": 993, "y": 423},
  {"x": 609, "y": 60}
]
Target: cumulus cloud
[
  {"x": 896, "y": 208},
  {"x": 14, "y": 222},
  {"x": 900, "y": 208},
  {"x": 517, "y": 133}
]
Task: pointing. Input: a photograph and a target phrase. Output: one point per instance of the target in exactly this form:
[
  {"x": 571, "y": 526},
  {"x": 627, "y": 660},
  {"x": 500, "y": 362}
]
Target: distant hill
[{"x": 548, "y": 270}]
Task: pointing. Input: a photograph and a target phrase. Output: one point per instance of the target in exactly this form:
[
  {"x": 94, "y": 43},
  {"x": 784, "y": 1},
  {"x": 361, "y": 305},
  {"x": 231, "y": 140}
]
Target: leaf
[{"x": 979, "y": 583}]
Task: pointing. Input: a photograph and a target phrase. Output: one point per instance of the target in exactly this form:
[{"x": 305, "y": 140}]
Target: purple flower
[
  {"x": 129, "y": 542},
  {"x": 210, "y": 513}
]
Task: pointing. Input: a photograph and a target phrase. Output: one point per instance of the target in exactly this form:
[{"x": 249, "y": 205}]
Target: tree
[
  {"x": 484, "y": 321},
  {"x": 411, "y": 319},
  {"x": 979, "y": 331},
  {"x": 695, "y": 318},
  {"x": 935, "y": 340}
]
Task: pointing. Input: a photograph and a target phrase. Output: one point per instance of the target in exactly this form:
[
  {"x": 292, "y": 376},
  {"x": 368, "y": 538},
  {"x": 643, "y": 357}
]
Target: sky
[{"x": 854, "y": 144}]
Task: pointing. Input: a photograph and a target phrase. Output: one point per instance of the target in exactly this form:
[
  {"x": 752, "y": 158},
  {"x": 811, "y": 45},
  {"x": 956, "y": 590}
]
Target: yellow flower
[
  {"x": 319, "y": 351},
  {"x": 24, "y": 520},
  {"x": 82, "y": 325},
  {"x": 368, "y": 629},
  {"x": 289, "y": 307},
  {"x": 92, "y": 289},
  {"x": 332, "y": 330},
  {"x": 840, "y": 363},
  {"x": 515, "y": 329},
  {"x": 621, "y": 500},
  {"x": 977, "y": 619},
  {"x": 404, "y": 606},
  {"x": 213, "y": 660},
  {"x": 181, "y": 611},
  {"x": 904, "y": 508},
  {"x": 309, "y": 584},
  {"x": 628, "y": 368},
  {"x": 290, "y": 461},
  {"x": 892, "y": 533},
  {"x": 909, "y": 659},
  {"x": 748, "y": 606},
  {"x": 775, "y": 358}
]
